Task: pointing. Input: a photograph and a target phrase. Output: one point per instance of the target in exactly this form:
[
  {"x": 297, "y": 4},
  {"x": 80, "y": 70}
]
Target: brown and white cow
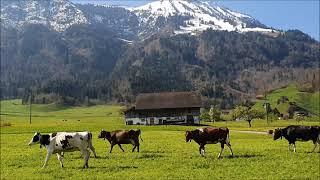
[
  {"x": 64, "y": 142},
  {"x": 122, "y": 137},
  {"x": 209, "y": 135}
]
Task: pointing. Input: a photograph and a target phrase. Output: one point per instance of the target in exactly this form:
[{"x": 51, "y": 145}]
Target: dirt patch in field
[{"x": 251, "y": 132}]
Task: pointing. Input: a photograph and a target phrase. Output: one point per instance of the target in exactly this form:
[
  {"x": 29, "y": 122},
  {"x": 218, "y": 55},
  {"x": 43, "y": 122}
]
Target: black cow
[
  {"x": 122, "y": 137},
  {"x": 209, "y": 135},
  {"x": 295, "y": 133}
]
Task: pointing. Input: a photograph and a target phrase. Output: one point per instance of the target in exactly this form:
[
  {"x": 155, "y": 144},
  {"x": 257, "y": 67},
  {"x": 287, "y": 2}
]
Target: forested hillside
[
  {"x": 225, "y": 66},
  {"x": 75, "y": 63}
]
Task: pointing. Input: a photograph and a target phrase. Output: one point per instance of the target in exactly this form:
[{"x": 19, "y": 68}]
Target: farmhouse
[{"x": 165, "y": 108}]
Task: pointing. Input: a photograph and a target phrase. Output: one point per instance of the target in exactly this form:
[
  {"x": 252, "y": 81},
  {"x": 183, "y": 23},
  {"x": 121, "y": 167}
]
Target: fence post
[{"x": 30, "y": 109}]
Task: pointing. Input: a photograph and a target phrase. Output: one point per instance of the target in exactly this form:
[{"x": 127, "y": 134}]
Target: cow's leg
[
  {"x": 87, "y": 159},
  {"x": 92, "y": 149},
  {"x": 86, "y": 154},
  {"x": 222, "y": 147},
  {"x": 289, "y": 145},
  {"x": 60, "y": 158},
  {"x": 47, "y": 159},
  {"x": 111, "y": 147},
  {"x": 137, "y": 144},
  {"x": 201, "y": 150},
  {"x": 120, "y": 147},
  {"x": 134, "y": 147},
  {"x": 315, "y": 145},
  {"x": 229, "y": 146},
  {"x": 294, "y": 147}
]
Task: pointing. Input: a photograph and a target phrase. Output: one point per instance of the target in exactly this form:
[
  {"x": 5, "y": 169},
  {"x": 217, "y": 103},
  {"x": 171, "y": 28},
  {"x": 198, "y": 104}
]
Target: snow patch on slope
[{"x": 200, "y": 16}]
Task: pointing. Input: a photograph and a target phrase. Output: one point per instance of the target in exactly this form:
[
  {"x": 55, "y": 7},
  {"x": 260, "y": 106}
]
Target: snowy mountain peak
[
  {"x": 197, "y": 16},
  {"x": 57, "y": 14},
  {"x": 163, "y": 16}
]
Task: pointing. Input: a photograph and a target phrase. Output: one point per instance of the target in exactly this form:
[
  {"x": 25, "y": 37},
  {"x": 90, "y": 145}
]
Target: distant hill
[{"x": 306, "y": 100}]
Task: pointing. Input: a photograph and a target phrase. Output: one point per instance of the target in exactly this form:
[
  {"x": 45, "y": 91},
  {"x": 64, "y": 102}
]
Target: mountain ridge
[
  {"x": 199, "y": 16},
  {"x": 107, "y": 59},
  {"x": 175, "y": 17}
]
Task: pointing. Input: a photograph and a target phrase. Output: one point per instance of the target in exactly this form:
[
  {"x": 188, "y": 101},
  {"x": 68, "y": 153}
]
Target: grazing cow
[
  {"x": 122, "y": 137},
  {"x": 209, "y": 135},
  {"x": 295, "y": 133},
  {"x": 64, "y": 142}
]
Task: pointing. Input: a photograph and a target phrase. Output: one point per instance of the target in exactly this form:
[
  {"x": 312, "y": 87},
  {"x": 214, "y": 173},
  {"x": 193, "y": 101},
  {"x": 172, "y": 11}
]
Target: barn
[{"x": 165, "y": 108}]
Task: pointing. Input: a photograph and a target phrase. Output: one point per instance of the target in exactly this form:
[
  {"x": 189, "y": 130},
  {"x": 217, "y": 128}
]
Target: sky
[{"x": 280, "y": 14}]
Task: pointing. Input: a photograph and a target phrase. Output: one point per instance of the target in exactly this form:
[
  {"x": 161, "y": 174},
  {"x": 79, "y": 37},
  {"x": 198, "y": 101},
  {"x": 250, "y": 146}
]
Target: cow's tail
[
  {"x": 89, "y": 136},
  {"x": 140, "y": 134}
]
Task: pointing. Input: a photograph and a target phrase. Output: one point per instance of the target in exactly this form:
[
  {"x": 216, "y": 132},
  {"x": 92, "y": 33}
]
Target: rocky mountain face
[
  {"x": 113, "y": 53},
  {"x": 182, "y": 16},
  {"x": 169, "y": 16},
  {"x": 56, "y": 14}
]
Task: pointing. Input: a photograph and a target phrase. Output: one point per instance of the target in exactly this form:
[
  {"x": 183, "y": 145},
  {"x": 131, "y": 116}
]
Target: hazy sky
[{"x": 280, "y": 14}]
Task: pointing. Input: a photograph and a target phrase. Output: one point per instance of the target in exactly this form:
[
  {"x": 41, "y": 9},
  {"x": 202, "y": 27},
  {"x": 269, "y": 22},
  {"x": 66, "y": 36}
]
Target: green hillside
[{"x": 309, "y": 101}]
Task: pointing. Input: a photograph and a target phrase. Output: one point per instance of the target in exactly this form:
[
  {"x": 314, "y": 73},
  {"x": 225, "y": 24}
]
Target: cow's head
[
  {"x": 35, "y": 139},
  {"x": 277, "y": 134},
  {"x": 189, "y": 136},
  {"x": 104, "y": 134}
]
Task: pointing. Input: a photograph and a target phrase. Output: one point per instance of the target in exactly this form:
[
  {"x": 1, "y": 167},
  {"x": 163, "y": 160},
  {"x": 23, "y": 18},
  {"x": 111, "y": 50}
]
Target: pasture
[{"x": 164, "y": 154}]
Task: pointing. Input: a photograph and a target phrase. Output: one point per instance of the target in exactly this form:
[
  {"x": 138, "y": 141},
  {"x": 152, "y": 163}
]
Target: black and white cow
[
  {"x": 90, "y": 145},
  {"x": 65, "y": 142},
  {"x": 295, "y": 133}
]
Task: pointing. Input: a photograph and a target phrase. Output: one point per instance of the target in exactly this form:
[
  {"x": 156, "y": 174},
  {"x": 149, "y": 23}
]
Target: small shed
[{"x": 165, "y": 108}]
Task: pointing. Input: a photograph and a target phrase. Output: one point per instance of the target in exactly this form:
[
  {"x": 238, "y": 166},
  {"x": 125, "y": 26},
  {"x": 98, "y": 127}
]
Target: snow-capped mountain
[
  {"x": 193, "y": 16},
  {"x": 56, "y": 14},
  {"x": 163, "y": 16}
]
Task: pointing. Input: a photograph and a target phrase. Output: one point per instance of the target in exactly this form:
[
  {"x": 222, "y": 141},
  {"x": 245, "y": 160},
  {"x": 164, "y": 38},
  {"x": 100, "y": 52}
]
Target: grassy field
[{"x": 164, "y": 152}]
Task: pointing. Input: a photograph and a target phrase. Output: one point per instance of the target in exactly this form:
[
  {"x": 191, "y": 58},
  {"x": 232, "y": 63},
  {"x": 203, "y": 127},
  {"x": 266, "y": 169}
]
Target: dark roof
[{"x": 168, "y": 100}]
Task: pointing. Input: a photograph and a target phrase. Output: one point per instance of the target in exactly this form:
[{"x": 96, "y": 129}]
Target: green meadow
[
  {"x": 309, "y": 101},
  {"x": 164, "y": 154}
]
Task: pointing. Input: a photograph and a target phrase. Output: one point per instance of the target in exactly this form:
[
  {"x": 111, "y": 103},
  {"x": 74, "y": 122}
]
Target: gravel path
[{"x": 251, "y": 132}]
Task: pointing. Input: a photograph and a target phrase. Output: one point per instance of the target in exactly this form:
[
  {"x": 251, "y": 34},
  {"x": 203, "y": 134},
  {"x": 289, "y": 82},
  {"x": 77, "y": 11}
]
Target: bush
[
  {"x": 204, "y": 116},
  {"x": 306, "y": 87}
]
